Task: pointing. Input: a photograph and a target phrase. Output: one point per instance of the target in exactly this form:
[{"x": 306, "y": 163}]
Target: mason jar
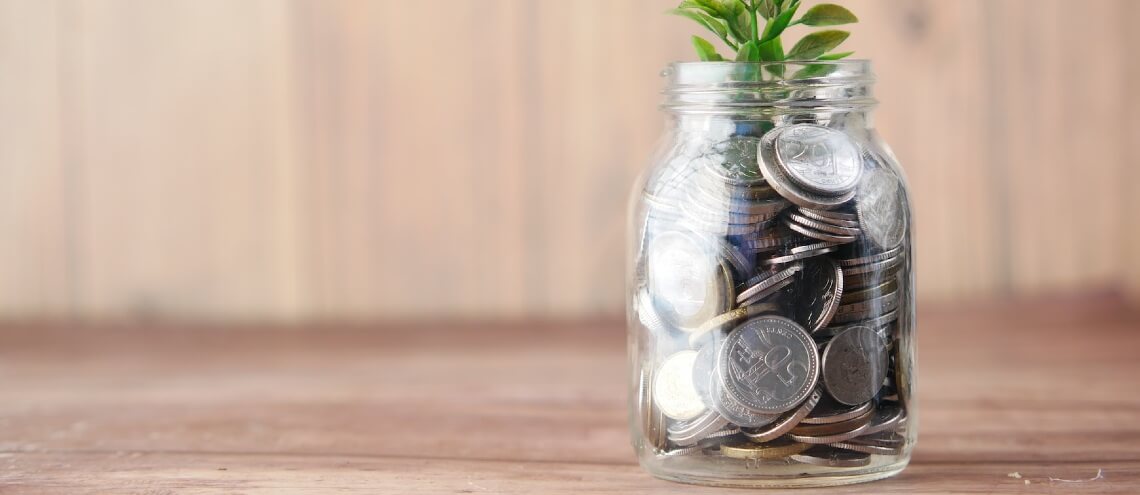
[{"x": 771, "y": 310}]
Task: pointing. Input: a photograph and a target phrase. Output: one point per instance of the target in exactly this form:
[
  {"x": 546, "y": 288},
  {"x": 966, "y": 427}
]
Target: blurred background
[{"x": 288, "y": 159}]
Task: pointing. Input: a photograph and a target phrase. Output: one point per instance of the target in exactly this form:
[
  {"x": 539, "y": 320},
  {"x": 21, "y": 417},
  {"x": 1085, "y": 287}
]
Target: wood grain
[
  {"x": 517, "y": 408},
  {"x": 292, "y": 159}
]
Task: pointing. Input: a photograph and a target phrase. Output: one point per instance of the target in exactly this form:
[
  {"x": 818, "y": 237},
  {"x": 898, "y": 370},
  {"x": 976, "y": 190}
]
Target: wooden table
[{"x": 1045, "y": 389}]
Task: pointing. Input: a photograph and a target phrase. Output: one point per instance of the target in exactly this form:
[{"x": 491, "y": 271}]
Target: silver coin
[
  {"x": 879, "y": 204},
  {"x": 652, "y": 421},
  {"x": 824, "y": 226},
  {"x": 686, "y": 279},
  {"x": 784, "y": 185},
  {"x": 769, "y": 364},
  {"x": 864, "y": 280},
  {"x": 881, "y": 439},
  {"x": 868, "y": 309},
  {"x": 766, "y": 281},
  {"x": 870, "y": 292},
  {"x": 864, "y": 260},
  {"x": 742, "y": 265},
  {"x": 734, "y": 160},
  {"x": 814, "y": 297},
  {"x": 818, "y": 158},
  {"x": 887, "y": 418},
  {"x": 760, "y": 244},
  {"x": 699, "y": 429},
  {"x": 775, "y": 290},
  {"x": 706, "y": 373},
  {"x": 866, "y": 449},
  {"x": 831, "y": 216},
  {"x": 802, "y": 253},
  {"x": 819, "y": 216},
  {"x": 673, "y": 389},
  {"x": 832, "y": 438},
  {"x": 822, "y": 455},
  {"x": 647, "y": 314},
  {"x": 854, "y": 365},
  {"x": 822, "y": 236},
  {"x": 829, "y": 415},
  {"x": 876, "y": 266},
  {"x": 786, "y": 422}
]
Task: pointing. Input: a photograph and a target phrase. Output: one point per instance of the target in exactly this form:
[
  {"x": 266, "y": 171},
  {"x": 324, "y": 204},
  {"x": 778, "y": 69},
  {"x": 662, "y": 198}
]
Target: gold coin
[{"x": 777, "y": 449}]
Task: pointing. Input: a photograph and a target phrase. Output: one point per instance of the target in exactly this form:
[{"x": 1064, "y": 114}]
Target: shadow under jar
[{"x": 771, "y": 283}]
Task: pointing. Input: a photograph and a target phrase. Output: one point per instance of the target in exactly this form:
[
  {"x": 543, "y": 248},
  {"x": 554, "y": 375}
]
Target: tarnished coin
[
  {"x": 854, "y": 365},
  {"x": 814, "y": 297},
  {"x": 822, "y": 455},
  {"x": 673, "y": 388},
  {"x": 776, "y": 449},
  {"x": 766, "y": 281},
  {"x": 769, "y": 364},
  {"x": 686, "y": 279},
  {"x": 818, "y": 158},
  {"x": 784, "y": 423},
  {"x": 882, "y": 213}
]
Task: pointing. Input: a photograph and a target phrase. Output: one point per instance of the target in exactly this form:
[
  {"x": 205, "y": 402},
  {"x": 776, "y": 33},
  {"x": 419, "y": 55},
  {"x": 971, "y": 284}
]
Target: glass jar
[{"x": 771, "y": 282}]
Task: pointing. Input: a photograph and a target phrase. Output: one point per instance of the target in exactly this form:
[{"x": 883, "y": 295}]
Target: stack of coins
[{"x": 772, "y": 283}]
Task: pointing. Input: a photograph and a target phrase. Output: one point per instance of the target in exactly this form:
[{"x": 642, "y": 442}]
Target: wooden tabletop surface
[{"x": 1049, "y": 389}]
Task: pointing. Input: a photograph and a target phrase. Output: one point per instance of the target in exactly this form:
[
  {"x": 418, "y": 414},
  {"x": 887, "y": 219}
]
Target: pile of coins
[{"x": 772, "y": 279}]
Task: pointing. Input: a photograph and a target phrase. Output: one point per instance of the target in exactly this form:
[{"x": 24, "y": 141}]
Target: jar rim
[{"x": 719, "y": 87}]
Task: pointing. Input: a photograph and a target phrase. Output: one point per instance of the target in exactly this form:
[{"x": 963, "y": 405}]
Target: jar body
[{"x": 771, "y": 287}]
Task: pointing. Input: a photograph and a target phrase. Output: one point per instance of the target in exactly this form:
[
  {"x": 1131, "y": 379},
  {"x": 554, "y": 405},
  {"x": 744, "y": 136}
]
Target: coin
[
  {"x": 824, "y": 226},
  {"x": 870, "y": 292},
  {"x": 821, "y": 216},
  {"x": 887, "y": 417},
  {"x": 766, "y": 281},
  {"x": 818, "y": 158},
  {"x": 854, "y": 365},
  {"x": 652, "y": 421},
  {"x": 776, "y": 449},
  {"x": 769, "y": 364},
  {"x": 732, "y": 316},
  {"x": 738, "y": 164},
  {"x": 831, "y": 414},
  {"x": 815, "y": 295},
  {"x": 846, "y": 426},
  {"x": 822, "y": 236},
  {"x": 761, "y": 243},
  {"x": 867, "y": 449},
  {"x": 880, "y": 208},
  {"x": 801, "y": 253},
  {"x": 786, "y": 422},
  {"x": 647, "y": 314},
  {"x": 775, "y": 289},
  {"x": 788, "y": 187},
  {"x": 864, "y": 260},
  {"x": 873, "y": 267},
  {"x": 867, "y": 309},
  {"x": 881, "y": 439},
  {"x": 673, "y": 388},
  {"x": 686, "y": 279},
  {"x": 692, "y": 432},
  {"x": 822, "y": 455},
  {"x": 736, "y": 413}
]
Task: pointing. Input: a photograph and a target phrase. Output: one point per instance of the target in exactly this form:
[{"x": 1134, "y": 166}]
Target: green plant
[{"x": 737, "y": 24}]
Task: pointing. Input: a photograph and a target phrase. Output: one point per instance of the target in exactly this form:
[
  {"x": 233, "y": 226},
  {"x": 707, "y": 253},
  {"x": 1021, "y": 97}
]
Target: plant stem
[{"x": 755, "y": 25}]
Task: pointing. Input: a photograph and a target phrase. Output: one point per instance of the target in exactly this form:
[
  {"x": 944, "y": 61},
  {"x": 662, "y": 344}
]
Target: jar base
[{"x": 801, "y": 476}]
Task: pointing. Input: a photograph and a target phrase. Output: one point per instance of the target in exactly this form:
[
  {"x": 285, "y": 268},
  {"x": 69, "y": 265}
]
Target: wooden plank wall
[{"x": 353, "y": 159}]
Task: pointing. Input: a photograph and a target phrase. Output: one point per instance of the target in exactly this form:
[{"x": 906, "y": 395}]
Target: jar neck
[{"x": 769, "y": 92}]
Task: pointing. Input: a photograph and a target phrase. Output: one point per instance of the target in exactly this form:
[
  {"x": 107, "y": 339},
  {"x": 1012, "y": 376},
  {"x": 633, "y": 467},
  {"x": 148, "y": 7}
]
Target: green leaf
[
  {"x": 773, "y": 51},
  {"x": 777, "y": 26},
  {"x": 715, "y": 25},
  {"x": 836, "y": 56},
  {"x": 816, "y": 44},
  {"x": 738, "y": 18},
  {"x": 705, "y": 50},
  {"x": 749, "y": 52},
  {"x": 768, "y": 8},
  {"x": 828, "y": 14},
  {"x": 815, "y": 70}
]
